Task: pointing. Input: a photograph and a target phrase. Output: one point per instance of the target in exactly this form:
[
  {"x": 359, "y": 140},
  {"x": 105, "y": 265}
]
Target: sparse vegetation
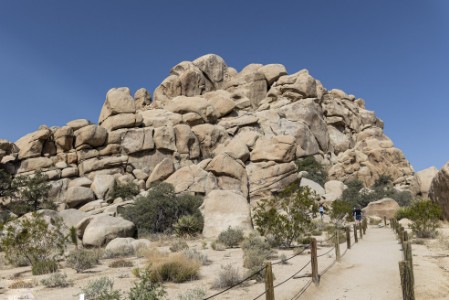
[
  {"x": 121, "y": 263},
  {"x": 255, "y": 252},
  {"x": 188, "y": 226},
  {"x": 175, "y": 267},
  {"x": 231, "y": 237},
  {"x": 145, "y": 289},
  {"x": 217, "y": 246},
  {"x": 425, "y": 215},
  {"x": 56, "y": 279},
  {"x": 178, "y": 245},
  {"x": 125, "y": 191},
  {"x": 287, "y": 216},
  {"x": 22, "y": 284},
  {"x": 83, "y": 259},
  {"x": 193, "y": 294},
  {"x": 315, "y": 171},
  {"x": 101, "y": 289},
  {"x": 198, "y": 256},
  {"x": 161, "y": 208},
  {"x": 124, "y": 251},
  {"x": 228, "y": 276},
  {"x": 33, "y": 239},
  {"x": 341, "y": 208}
]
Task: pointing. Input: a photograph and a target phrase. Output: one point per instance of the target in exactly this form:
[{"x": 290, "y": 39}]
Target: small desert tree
[
  {"x": 315, "y": 170},
  {"x": 33, "y": 239},
  {"x": 286, "y": 217},
  {"x": 426, "y": 217}
]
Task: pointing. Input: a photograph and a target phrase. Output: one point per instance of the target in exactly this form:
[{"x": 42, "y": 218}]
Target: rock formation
[
  {"x": 210, "y": 128},
  {"x": 439, "y": 189}
]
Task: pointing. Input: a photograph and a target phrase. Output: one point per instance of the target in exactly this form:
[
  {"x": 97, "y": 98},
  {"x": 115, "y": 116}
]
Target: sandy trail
[{"x": 368, "y": 271}]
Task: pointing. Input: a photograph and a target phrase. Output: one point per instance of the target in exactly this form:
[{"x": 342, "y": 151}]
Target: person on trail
[
  {"x": 357, "y": 213},
  {"x": 321, "y": 209}
]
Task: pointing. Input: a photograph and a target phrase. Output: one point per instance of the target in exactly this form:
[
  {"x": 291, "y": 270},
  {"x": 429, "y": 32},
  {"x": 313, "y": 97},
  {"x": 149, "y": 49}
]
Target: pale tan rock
[
  {"x": 386, "y": 207},
  {"x": 34, "y": 164},
  {"x": 209, "y": 136},
  {"x": 222, "y": 209},
  {"x": 160, "y": 117},
  {"x": 198, "y": 105},
  {"x": 92, "y": 205},
  {"x": 334, "y": 187},
  {"x": 162, "y": 170},
  {"x": 101, "y": 229},
  {"x": 91, "y": 135},
  {"x": 139, "y": 174},
  {"x": 69, "y": 172},
  {"x": 84, "y": 154},
  {"x": 296, "y": 86},
  {"x": 193, "y": 179},
  {"x": 236, "y": 148},
  {"x": 186, "y": 141},
  {"x": 80, "y": 182},
  {"x": 221, "y": 101},
  {"x": 226, "y": 165},
  {"x": 135, "y": 140},
  {"x": 281, "y": 148},
  {"x": 147, "y": 160},
  {"x": 103, "y": 186},
  {"x": 339, "y": 140},
  {"x": 164, "y": 138},
  {"x": 252, "y": 86},
  {"x": 72, "y": 216},
  {"x": 79, "y": 123},
  {"x": 425, "y": 178},
  {"x": 31, "y": 144},
  {"x": 118, "y": 101},
  {"x": 76, "y": 196},
  {"x": 95, "y": 164},
  {"x": 272, "y": 72},
  {"x": 142, "y": 98},
  {"x": 64, "y": 138},
  {"x": 213, "y": 66},
  {"x": 313, "y": 186},
  {"x": 243, "y": 120},
  {"x": 125, "y": 120}
]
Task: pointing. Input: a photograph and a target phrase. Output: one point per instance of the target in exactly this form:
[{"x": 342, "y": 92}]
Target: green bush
[
  {"x": 402, "y": 213},
  {"x": 193, "y": 294},
  {"x": 426, "y": 217},
  {"x": 161, "y": 209},
  {"x": 228, "y": 276},
  {"x": 101, "y": 289},
  {"x": 29, "y": 193},
  {"x": 286, "y": 217},
  {"x": 255, "y": 252},
  {"x": 125, "y": 191},
  {"x": 121, "y": 263},
  {"x": 44, "y": 267},
  {"x": 176, "y": 268},
  {"x": 33, "y": 239},
  {"x": 145, "y": 289},
  {"x": 315, "y": 170},
  {"x": 341, "y": 208},
  {"x": 83, "y": 259},
  {"x": 56, "y": 279},
  {"x": 231, "y": 237},
  {"x": 188, "y": 226}
]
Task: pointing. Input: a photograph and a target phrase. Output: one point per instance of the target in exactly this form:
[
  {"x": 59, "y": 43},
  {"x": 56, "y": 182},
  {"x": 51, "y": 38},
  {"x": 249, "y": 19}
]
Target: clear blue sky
[{"x": 59, "y": 58}]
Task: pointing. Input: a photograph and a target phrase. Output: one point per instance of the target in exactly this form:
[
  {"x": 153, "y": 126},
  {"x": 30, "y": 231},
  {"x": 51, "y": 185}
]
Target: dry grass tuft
[
  {"x": 21, "y": 284},
  {"x": 121, "y": 263},
  {"x": 175, "y": 267}
]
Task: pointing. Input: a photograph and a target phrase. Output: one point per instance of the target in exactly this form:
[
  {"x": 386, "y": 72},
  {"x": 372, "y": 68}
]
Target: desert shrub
[
  {"x": 402, "y": 213},
  {"x": 125, "y": 191},
  {"x": 426, "y": 217},
  {"x": 44, "y": 267},
  {"x": 198, "y": 256},
  {"x": 21, "y": 284},
  {"x": 331, "y": 234},
  {"x": 121, "y": 263},
  {"x": 231, "y": 237},
  {"x": 145, "y": 289},
  {"x": 228, "y": 276},
  {"x": 101, "y": 289},
  {"x": 341, "y": 208},
  {"x": 283, "y": 259},
  {"x": 217, "y": 246},
  {"x": 161, "y": 208},
  {"x": 29, "y": 193},
  {"x": 178, "y": 245},
  {"x": 176, "y": 268},
  {"x": 315, "y": 171},
  {"x": 56, "y": 279},
  {"x": 286, "y": 216},
  {"x": 188, "y": 226},
  {"x": 317, "y": 232},
  {"x": 193, "y": 294},
  {"x": 33, "y": 239},
  {"x": 83, "y": 259},
  {"x": 124, "y": 251},
  {"x": 255, "y": 252}
]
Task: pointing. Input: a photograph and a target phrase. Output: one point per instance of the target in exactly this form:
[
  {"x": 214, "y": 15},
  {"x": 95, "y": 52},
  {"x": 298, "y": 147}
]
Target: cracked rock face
[{"x": 210, "y": 128}]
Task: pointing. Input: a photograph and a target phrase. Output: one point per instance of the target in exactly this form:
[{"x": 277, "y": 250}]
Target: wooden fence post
[
  {"x": 337, "y": 244},
  {"x": 269, "y": 282},
  {"x": 401, "y": 235},
  {"x": 348, "y": 237},
  {"x": 361, "y": 230},
  {"x": 365, "y": 225},
  {"x": 314, "y": 262},
  {"x": 385, "y": 221},
  {"x": 355, "y": 234},
  {"x": 407, "y": 284}
]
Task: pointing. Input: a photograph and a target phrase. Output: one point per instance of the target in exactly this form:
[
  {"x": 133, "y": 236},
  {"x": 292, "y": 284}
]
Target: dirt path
[{"x": 368, "y": 271}]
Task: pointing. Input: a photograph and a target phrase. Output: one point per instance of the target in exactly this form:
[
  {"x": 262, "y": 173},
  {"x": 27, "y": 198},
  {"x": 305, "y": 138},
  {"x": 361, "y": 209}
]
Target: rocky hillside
[{"x": 232, "y": 136}]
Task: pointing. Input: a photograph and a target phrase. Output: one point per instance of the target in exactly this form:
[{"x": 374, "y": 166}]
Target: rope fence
[{"x": 313, "y": 262}]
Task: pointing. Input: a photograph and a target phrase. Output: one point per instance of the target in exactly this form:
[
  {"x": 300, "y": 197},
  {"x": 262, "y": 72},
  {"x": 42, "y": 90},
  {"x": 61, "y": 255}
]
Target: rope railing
[{"x": 269, "y": 288}]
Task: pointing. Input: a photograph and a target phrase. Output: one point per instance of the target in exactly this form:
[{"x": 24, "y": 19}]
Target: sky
[{"x": 58, "y": 58}]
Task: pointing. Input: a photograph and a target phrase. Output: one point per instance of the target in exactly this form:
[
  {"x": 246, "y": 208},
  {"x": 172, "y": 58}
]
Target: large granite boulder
[
  {"x": 386, "y": 207},
  {"x": 439, "y": 189}
]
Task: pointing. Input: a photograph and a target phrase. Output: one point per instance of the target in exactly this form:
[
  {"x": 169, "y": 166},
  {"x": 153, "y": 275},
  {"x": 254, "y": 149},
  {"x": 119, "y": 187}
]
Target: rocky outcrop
[
  {"x": 439, "y": 189},
  {"x": 386, "y": 207},
  {"x": 210, "y": 129}
]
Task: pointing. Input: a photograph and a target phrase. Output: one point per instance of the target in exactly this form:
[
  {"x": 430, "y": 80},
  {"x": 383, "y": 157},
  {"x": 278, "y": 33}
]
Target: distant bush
[
  {"x": 176, "y": 268},
  {"x": 402, "y": 213},
  {"x": 161, "y": 208},
  {"x": 231, "y": 237},
  {"x": 21, "y": 284},
  {"x": 228, "y": 276},
  {"x": 145, "y": 289},
  {"x": 57, "y": 279},
  {"x": 255, "y": 252},
  {"x": 188, "y": 225},
  {"x": 426, "y": 217},
  {"x": 286, "y": 216},
  {"x": 125, "y": 191},
  {"x": 341, "y": 208},
  {"x": 315, "y": 171},
  {"x": 121, "y": 263},
  {"x": 217, "y": 246},
  {"x": 178, "y": 245},
  {"x": 194, "y": 254},
  {"x": 35, "y": 240},
  {"x": 83, "y": 259},
  {"x": 101, "y": 289},
  {"x": 193, "y": 294},
  {"x": 44, "y": 267}
]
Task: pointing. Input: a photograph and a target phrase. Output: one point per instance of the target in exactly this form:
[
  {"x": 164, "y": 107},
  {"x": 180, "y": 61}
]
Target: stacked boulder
[{"x": 210, "y": 130}]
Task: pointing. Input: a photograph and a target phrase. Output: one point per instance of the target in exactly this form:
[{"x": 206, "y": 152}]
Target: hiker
[
  {"x": 321, "y": 209},
  {"x": 357, "y": 213}
]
